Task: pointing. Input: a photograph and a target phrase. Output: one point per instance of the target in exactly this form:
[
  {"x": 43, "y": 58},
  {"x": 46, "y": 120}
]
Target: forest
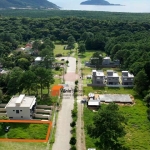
[{"x": 128, "y": 41}]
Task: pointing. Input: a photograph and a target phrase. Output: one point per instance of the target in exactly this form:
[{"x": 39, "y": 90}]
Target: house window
[
  {"x": 17, "y": 111},
  {"x": 10, "y": 117},
  {"x": 98, "y": 78},
  {"x": 21, "y": 116},
  {"x": 20, "y": 110},
  {"x": 13, "y": 110}
]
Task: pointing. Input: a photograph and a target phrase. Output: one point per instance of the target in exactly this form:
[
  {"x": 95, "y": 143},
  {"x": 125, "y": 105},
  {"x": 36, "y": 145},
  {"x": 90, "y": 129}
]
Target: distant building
[
  {"x": 93, "y": 101},
  {"x": 98, "y": 77},
  {"x": 38, "y": 60},
  {"x": 106, "y": 61},
  {"x": 112, "y": 77},
  {"x": 127, "y": 78},
  {"x": 21, "y": 107}
]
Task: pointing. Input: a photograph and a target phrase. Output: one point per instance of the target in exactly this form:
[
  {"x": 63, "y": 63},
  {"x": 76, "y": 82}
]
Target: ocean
[{"x": 139, "y": 6}]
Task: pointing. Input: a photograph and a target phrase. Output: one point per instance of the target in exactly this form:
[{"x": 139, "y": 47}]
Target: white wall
[{"x": 11, "y": 112}]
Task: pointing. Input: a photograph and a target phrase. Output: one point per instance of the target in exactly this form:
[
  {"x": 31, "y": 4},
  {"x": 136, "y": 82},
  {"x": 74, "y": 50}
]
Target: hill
[
  {"x": 98, "y": 2},
  {"x": 27, "y": 4}
]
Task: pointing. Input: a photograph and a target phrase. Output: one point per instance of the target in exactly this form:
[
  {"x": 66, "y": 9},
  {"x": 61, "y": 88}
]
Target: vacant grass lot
[
  {"x": 59, "y": 49},
  {"x": 24, "y": 131},
  {"x": 22, "y": 146},
  {"x": 138, "y": 126},
  {"x": 87, "y": 55}
]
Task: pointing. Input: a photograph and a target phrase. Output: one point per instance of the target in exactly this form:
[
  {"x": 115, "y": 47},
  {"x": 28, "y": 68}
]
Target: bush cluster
[{"x": 73, "y": 125}]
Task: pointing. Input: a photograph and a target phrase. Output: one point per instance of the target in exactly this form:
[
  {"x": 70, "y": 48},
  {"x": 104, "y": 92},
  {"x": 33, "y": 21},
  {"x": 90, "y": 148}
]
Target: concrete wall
[
  {"x": 45, "y": 107},
  {"x": 3, "y": 109},
  {"x": 24, "y": 112},
  {"x": 3, "y": 114},
  {"x": 43, "y": 111},
  {"x": 119, "y": 85},
  {"x": 41, "y": 116},
  {"x": 3, "y": 105},
  {"x": 127, "y": 80},
  {"x": 113, "y": 80}
]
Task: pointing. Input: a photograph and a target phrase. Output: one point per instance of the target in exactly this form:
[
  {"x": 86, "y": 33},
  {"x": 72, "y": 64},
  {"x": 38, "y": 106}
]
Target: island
[{"x": 98, "y": 2}]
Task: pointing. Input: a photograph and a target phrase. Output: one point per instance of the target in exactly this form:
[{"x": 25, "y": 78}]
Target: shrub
[
  {"x": 76, "y": 82},
  {"x": 57, "y": 68},
  {"x": 73, "y": 147},
  {"x": 72, "y": 124},
  {"x": 58, "y": 55},
  {"x": 72, "y": 141}
]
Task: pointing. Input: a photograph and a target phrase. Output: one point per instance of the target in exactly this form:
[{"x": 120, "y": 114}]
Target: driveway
[{"x": 63, "y": 134}]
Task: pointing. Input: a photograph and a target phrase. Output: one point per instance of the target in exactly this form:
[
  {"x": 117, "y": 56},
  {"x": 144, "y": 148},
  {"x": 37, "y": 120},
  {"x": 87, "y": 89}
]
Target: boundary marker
[{"x": 28, "y": 121}]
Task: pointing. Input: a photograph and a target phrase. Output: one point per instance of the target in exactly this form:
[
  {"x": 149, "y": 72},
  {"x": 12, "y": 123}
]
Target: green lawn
[
  {"x": 25, "y": 130},
  {"x": 87, "y": 55},
  {"x": 59, "y": 49},
  {"x": 108, "y": 90},
  {"x": 138, "y": 126},
  {"x": 22, "y": 146},
  {"x": 87, "y": 71}
]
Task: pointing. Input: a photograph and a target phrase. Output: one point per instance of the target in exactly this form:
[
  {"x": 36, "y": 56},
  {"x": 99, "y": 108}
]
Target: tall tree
[
  {"x": 28, "y": 80},
  {"x": 14, "y": 81},
  {"x": 71, "y": 42},
  {"x": 81, "y": 47},
  {"x": 141, "y": 82},
  {"x": 109, "y": 127}
]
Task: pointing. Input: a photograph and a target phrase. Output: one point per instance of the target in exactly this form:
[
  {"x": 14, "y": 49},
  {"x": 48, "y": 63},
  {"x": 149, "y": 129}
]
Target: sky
[{"x": 130, "y": 5}]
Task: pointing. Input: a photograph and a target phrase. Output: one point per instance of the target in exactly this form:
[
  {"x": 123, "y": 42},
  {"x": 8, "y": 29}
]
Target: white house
[
  {"x": 112, "y": 77},
  {"x": 21, "y": 107},
  {"x": 98, "y": 77},
  {"x": 127, "y": 78}
]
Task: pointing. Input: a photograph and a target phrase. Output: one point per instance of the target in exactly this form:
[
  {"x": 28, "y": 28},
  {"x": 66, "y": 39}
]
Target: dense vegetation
[
  {"x": 82, "y": 14},
  {"x": 127, "y": 41},
  {"x": 137, "y": 125},
  {"x": 26, "y": 4}
]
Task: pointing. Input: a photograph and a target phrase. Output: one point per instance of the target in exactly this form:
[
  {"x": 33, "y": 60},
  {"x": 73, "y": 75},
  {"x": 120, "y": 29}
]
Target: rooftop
[
  {"x": 38, "y": 59},
  {"x": 115, "y": 74},
  {"x": 121, "y": 98},
  {"x": 106, "y": 58},
  {"x": 127, "y": 74},
  {"x": 99, "y": 72},
  {"x": 93, "y": 103},
  {"x": 110, "y": 71},
  {"x": 21, "y": 101}
]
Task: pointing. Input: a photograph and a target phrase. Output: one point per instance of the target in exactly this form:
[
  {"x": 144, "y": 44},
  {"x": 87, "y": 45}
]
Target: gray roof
[
  {"x": 121, "y": 98},
  {"x": 21, "y": 101}
]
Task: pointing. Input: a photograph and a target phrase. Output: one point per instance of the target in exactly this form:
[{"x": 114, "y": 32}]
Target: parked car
[{"x": 7, "y": 128}]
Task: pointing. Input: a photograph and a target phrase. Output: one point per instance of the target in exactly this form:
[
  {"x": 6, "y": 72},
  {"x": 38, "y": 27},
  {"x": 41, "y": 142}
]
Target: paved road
[{"x": 63, "y": 129}]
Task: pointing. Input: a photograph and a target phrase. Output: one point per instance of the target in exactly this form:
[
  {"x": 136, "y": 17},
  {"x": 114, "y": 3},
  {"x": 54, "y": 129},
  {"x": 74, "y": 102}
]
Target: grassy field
[
  {"x": 25, "y": 131},
  {"x": 22, "y": 146},
  {"x": 59, "y": 49},
  {"x": 87, "y": 55},
  {"x": 138, "y": 126}
]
